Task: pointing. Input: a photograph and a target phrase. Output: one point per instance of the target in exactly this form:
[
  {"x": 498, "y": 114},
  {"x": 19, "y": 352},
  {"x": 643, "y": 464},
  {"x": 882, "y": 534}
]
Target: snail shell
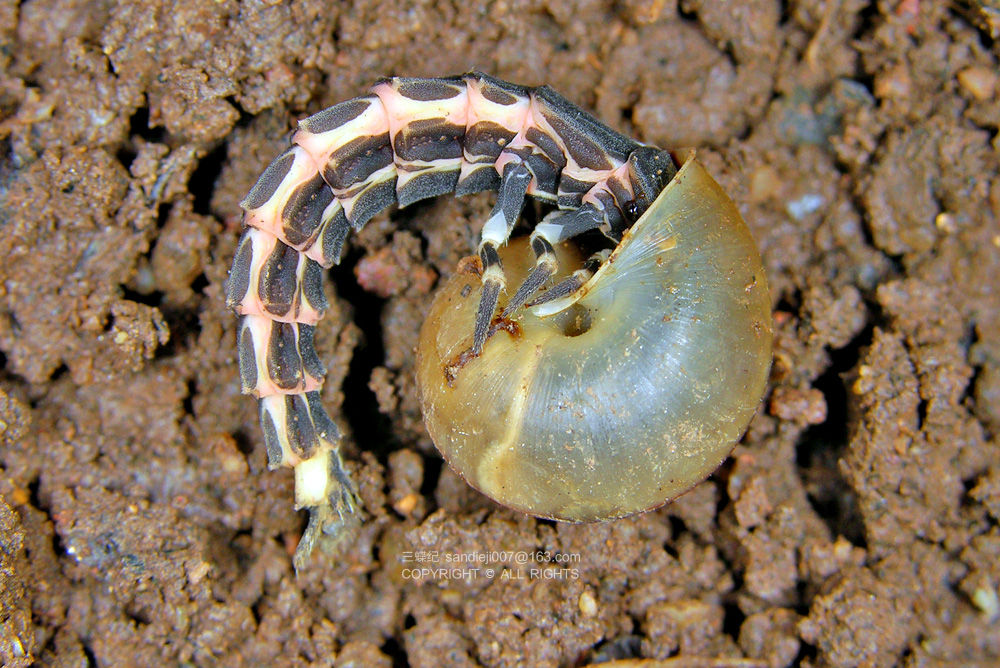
[{"x": 622, "y": 396}]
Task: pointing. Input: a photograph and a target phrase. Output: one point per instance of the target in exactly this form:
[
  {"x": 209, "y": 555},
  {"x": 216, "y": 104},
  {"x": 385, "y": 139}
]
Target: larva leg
[
  {"x": 545, "y": 266},
  {"x": 557, "y": 226},
  {"x": 513, "y": 189},
  {"x": 579, "y": 278}
]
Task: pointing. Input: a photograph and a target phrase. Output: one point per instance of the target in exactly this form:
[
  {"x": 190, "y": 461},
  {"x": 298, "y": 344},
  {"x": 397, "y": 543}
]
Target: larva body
[{"x": 408, "y": 140}]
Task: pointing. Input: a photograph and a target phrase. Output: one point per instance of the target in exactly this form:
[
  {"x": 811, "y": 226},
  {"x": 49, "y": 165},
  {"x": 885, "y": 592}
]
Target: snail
[
  {"x": 623, "y": 395},
  {"x": 595, "y": 393}
]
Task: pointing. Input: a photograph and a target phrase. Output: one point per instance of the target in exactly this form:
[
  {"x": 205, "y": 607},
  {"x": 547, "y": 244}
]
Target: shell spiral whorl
[{"x": 640, "y": 406}]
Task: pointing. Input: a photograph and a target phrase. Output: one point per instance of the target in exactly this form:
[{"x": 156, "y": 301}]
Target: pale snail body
[{"x": 633, "y": 411}]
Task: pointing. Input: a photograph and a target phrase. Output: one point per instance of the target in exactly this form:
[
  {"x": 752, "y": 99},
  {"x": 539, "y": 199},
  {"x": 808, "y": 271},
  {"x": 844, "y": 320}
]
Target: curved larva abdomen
[{"x": 407, "y": 140}]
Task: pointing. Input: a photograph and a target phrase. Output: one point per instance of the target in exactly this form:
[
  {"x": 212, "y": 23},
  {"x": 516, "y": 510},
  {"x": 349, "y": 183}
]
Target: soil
[{"x": 856, "y": 524}]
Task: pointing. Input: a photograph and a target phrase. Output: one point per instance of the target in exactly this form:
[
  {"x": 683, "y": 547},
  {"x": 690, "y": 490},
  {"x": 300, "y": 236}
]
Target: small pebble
[
  {"x": 946, "y": 223},
  {"x": 764, "y": 184},
  {"x": 588, "y": 606},
  {"x": 406, "y": 504},
  {"x": 979, "y": 82},
  {"x": 986, "y": 599},
  {"x": 803, "y": 206}
]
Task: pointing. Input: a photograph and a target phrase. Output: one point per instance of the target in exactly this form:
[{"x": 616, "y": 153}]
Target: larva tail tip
[
  {"x": 324, "y": 487},
  {"x": 330, "y": 528}
]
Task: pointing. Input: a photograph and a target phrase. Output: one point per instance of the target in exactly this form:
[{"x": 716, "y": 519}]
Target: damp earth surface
[{"x": 856, "y": 524}]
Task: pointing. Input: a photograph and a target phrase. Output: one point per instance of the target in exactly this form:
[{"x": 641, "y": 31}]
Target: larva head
[
  {"x": 649, "y": 171},
  {"x": 628, "y": 396}
]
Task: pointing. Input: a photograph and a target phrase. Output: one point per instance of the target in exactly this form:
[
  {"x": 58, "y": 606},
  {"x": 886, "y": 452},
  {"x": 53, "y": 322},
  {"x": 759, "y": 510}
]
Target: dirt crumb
[
  {"x": 17, "y": 638},
  {"x": 857, "y": 622}
]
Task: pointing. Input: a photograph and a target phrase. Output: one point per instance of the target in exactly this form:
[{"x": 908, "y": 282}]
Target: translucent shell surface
[{"x": 626, "y": 394}]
